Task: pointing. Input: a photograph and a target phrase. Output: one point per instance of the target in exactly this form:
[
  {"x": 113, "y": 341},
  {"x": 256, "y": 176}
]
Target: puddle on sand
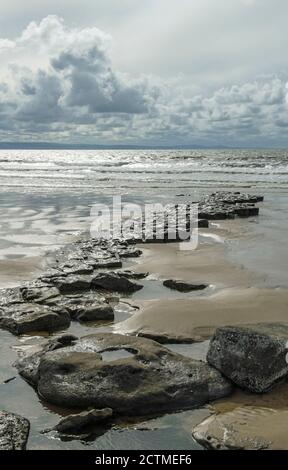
[{"x": 154, "y": 290}]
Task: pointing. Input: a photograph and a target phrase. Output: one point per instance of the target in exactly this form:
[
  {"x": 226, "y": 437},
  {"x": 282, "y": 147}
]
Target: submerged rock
[
  {"x": 252, "y": 356},
  {"x": 14, "y": 431},
  {"x": 114, "y": 282},
  {"x": 78, "y": 423},
  {"x": 244, "y": 428},
  {"x": 131, "y": 375},
  {"x": 27, "y": 317},
  {"x": 183, "y": 286}
]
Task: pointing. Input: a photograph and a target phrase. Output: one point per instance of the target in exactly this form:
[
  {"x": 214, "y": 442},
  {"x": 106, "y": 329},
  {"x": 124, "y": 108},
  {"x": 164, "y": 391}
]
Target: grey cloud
[{"x": 76, "y": 91}]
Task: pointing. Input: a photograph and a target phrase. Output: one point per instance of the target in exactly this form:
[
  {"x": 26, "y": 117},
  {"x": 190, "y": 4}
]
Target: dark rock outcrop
[
  {"x": 84, "y": 306},
  {"x": 252, "y": 356},
  {"x": 114, "y": 282},
  {"x": 183, "y": 286},
  {"x": 28, "y": 365},
  {"x": 14, "y": 431},
  {"x": 94, "y": 312},
  {"x": 141, "y": 376},
  {"x": 70, "y": 284},
  {"x": 27, "y": 317},
  {"x": 132, "y": 274},
  {"x": 79, "y": 423}
]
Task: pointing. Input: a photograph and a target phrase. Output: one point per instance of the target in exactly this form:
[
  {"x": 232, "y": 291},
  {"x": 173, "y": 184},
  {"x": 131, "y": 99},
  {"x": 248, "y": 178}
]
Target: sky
[{"x": 153, "y": 72}]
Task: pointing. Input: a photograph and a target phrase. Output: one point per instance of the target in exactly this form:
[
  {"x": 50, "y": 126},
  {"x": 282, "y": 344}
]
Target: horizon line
[{"x": 81, "y": 146}]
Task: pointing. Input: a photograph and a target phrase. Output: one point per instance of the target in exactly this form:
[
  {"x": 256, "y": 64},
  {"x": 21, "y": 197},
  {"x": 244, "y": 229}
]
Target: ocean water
[
  {"x": 46, "y": 195},
  {"x": 107, "y": 171},
  {"x": 45, "y": 201}
]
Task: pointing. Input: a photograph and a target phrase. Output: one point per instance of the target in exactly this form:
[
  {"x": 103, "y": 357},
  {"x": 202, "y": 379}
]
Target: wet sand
[
  {"x": 14, "y": 271},
  {"x": 248, "y": 421},
  {"x": 231, "y": 301}
]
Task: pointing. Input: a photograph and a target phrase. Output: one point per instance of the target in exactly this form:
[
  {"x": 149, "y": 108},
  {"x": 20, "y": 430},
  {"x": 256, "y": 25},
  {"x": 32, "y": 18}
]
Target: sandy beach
[
  {"x": 236, "y": 296},
  {"x": 243, "y": 283}
]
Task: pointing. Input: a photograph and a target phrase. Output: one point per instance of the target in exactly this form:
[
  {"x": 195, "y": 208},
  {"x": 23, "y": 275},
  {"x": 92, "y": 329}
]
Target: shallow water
[{"x": 45, "y": 202}]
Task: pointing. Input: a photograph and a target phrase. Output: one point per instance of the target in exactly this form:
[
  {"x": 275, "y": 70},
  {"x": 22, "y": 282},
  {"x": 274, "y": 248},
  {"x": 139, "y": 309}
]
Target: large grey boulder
[
  {"x": 25, "y": 318},
  {"x": 131, "y": 375},
  {"x": 14, "y": 431},
  {"x": 252, "y": 356}
]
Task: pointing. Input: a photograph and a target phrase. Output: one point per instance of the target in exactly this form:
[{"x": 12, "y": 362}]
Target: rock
[
  {"x": 252, "y": 356},
  {"x": 132, "y": 274},
  {"x": 87, "y": 306},
  {"x": 27, "y": 317},
  {"x": 183, "y": 286},
  {"x": 28, "y": 365},
  {"x": 76, "y": 267},
  {"x": 246, "y": 210},
  {"x": 244, "y": 428},
  {"x": 10, "y": 296},
  {"x": 51, "y": 274},
  {"x": 128, "y": 374},
  {"x": 94, "y": 312},
  {"x": 78, "y": 423},
  {"x": 7, "y": 381},
  {"x": 114, "y": 282},
  {"x": 109, "y": 263},
  {"x": 41, "y": 295},
  {"x": 71, "y": 284},
  {"x": 14, "y": 431},
  {"x": 130, "y": 253},
  {"x": 203, "y": 223}
]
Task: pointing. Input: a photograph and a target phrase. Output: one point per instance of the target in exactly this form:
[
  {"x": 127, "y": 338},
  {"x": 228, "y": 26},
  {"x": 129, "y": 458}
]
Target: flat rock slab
[
  {"x": 78, "y": 423},
  {"x": 94, "y": 312},
  {"x": 132, "y": 274},
  {"x": 245, "y": 428},
  {"x": 14, "y": 431},
  {"x": 70, "y": 284},
  {"x": 85, "y": 306},
  {"x": 183, "y": 286},
  {"x": 131, "y": 375},
  {"x": 27, "y": 317},
  {"x": 114, "y": 282},
  {"x": 252, "y": 356}
]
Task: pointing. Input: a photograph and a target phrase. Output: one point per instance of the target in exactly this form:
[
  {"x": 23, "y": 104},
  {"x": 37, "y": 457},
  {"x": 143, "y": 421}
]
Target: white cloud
[{"x": 58, "y": 82}]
